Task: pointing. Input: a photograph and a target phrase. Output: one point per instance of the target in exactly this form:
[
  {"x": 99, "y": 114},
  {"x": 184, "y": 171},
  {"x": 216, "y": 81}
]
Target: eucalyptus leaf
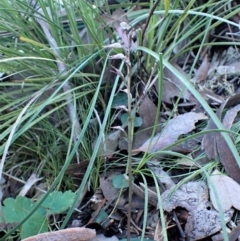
[
  {"x": 120, "y": 99},
  {"x": 136, "y": 123},
  {"x": 119, "y": 181}
]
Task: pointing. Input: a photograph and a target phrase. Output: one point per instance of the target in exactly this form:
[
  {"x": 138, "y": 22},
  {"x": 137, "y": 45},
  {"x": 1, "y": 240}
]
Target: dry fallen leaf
[
  {"x": 210, "y": 96},
  {"x": 215, "y": 145},
  {"x": 188, "y": 196},
  {"x": 203, "y": 220},
  {"x": 147, "y": 111},
  {"x": 230, "y": 116},
  {"x": 202, "y": 71},
  {"x": 180, "y": 125},
  {"x": 158, "y": 233},
  {"x": 109, "y": 192},
  {"x": 172, "y": 86},
  {"x": 170, "y": 90},
  {"x": 69, "y": 234},
  {"x": 227, "y": 191}
]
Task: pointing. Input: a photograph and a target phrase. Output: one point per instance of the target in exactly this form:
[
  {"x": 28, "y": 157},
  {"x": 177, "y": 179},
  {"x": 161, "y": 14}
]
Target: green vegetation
[{"x": 76, "y": 75}]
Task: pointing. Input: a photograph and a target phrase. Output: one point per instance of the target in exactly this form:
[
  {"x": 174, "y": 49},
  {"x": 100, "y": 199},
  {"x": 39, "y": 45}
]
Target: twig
[
  {"x": 149, "y": 17},
  {"x": 63, "y": 70}
]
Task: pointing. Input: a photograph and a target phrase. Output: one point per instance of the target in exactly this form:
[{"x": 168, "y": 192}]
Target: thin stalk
[{"x": 130, "y": 140}]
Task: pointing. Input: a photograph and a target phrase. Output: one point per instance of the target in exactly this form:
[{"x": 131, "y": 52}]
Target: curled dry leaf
[
  {"x": 70, "y": 234},
  {"x": 180, "y": 125},
  {"x": 215, "y": 145},
  {"x": 227, "y": 191}
]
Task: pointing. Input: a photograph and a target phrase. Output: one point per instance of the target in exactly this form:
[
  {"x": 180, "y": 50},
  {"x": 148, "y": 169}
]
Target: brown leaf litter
[
  {"x": 224, "y": 191},
  {"x": 215, "y": 145},
  {"x": 203, "y": 220},
  {"x": 175, "y": 127},
  {"x": 172, "y": 86}
]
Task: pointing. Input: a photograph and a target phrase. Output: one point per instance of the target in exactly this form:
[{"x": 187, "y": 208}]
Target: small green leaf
[
  {"x": 137, "y": 120},
  {"x": 36, "y": 224},
  {"x": 58, "y": 202},
  {"x": 102, "y": 216},
  {"x": 119, "y": 181},
  {"x": 120, "y": 99},
  {"x": 15, "y": 210}
]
